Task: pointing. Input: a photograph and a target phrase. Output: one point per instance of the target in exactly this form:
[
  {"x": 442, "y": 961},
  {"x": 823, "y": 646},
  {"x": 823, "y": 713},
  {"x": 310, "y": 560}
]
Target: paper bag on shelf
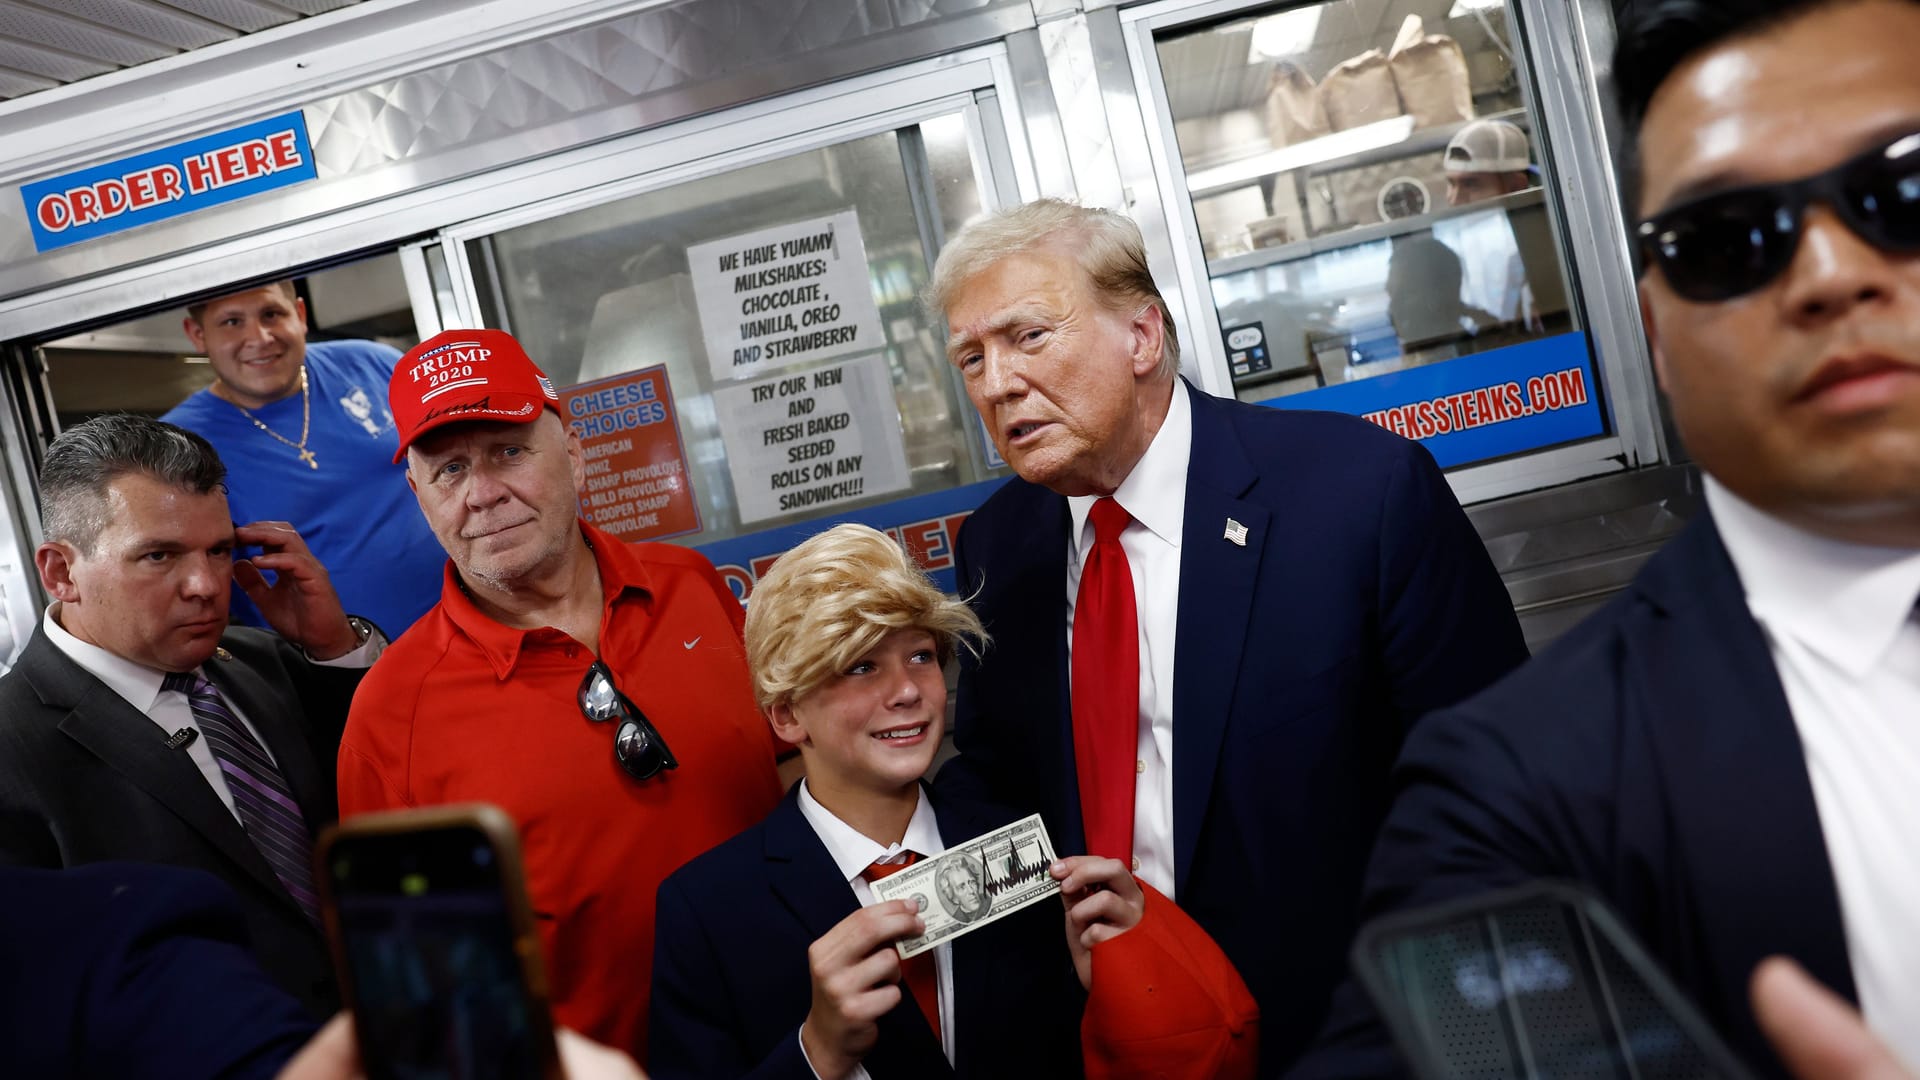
[
  {"x": 1430, "y": 72},
  {"x": 1294, "y": 111},
  {"x": 1360, "y": 91}
]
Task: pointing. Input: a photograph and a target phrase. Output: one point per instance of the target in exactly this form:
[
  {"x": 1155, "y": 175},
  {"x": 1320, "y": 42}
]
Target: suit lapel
[
  {"x": 1216, "y": 601},
  {"x": 807, "y": 882},
  {"x": 115, "y": 732},
  {"x": 1742, "y": 802},
  {"x": 276, "y": 719},
  {"x": 1031, "y": 586}
]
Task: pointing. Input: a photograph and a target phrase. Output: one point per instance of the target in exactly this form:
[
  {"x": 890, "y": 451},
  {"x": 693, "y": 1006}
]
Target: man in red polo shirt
[{"x": 597, "y": 690}]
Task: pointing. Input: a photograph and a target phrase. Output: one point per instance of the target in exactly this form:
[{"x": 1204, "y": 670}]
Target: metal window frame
[
  {"x": 413, "y": 268},
  {"x": 978, "y": 84},
  {"x": 1585, "y": 215},
  {"x": 975, "y": 83}
]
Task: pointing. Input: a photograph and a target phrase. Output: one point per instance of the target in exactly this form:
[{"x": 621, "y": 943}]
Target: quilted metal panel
[
  {"x": 147, "y": 21},
  {"x": 248, "y": 15},
  {"x": 74, "y": 36},
  {"x": 613, "y": 63},
  {"x": 56, "y": 66},
  {"x": 14, "y": 83},
  {"x": 315, "y": 7}
]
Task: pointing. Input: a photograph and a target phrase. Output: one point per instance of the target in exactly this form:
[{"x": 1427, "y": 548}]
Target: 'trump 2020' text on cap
[{"x": 461, "y": 375}]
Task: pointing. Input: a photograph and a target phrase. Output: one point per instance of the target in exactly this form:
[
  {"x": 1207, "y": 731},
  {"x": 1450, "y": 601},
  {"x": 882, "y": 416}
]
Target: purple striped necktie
[{"x": 272, "y": 818}]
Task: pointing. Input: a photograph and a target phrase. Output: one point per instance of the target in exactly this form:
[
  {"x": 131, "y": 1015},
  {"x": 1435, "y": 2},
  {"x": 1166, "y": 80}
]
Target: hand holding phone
[
  {"x": 436, "y": 947},
  {"x": 1541, "y": 982},
  {"x": 1818, "y": 1034}
]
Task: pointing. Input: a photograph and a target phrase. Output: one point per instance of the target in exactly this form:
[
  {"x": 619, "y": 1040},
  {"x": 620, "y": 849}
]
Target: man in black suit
[
  {"x": 138, "y": 726},
  {"x": 1214, "y": 622},
  {"x": 1729, "y": 753}
]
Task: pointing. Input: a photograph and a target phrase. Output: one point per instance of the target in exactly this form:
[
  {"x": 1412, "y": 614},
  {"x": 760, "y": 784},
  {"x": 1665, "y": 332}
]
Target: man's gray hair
[
  {"x": 86, "y": 459},
  {"x": 1108, "y": 246}
]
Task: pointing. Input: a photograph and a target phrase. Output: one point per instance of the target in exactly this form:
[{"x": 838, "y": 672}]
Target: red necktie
[
  {"x": 922, "y": 978},
  {"x": 1106, "y": 687}
]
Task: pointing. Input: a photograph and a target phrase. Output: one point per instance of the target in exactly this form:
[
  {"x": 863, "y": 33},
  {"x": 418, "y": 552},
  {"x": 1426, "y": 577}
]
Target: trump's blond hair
[
  {"x": 1107, "y": 246},
  {"x": 831, "y": 600}
]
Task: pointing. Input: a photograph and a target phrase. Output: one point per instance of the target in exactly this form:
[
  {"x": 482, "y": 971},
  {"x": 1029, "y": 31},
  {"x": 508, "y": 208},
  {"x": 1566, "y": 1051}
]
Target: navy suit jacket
[
  {"x": 1649, "y": 755},
  {"x": 138, "y": 972},
  {"x": 1361, "y": 600},
  {"x": 731, "y": 985}
]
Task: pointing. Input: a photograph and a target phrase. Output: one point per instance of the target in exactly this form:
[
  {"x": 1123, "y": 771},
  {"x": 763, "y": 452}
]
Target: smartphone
[
  {"x": 1541, "y": 982},
  {"x": 436, "y": 946}
]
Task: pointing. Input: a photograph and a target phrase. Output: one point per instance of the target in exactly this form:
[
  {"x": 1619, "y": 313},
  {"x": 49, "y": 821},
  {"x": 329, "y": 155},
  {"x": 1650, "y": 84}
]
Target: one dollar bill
[{"x": 974, "y": 883}]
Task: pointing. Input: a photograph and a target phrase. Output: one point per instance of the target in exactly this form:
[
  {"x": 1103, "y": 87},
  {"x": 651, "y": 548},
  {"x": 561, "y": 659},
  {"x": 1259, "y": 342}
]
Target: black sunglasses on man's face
[
  {"x": 1731, "y": 243},
  {"x": 636, "y": 744}
]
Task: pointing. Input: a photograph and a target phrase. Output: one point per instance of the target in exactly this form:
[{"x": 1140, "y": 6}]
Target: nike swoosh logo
[{"x": 690, "y": 644}]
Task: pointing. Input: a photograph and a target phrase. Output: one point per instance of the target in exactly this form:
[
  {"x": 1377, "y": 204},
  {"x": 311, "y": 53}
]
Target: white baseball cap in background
[{"x": 1488, "y": 146}]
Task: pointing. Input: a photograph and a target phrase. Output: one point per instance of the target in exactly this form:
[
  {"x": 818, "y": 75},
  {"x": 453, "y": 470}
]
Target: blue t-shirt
[{"x": 355, "y": 510}]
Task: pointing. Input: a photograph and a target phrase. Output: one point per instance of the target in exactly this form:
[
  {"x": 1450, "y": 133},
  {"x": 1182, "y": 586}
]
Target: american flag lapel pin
[{"x": 1237, "y": 533}]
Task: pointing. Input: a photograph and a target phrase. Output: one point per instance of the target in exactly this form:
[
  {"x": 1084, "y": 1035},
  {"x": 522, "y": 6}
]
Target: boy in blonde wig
[{"x": 773, "y": 959}]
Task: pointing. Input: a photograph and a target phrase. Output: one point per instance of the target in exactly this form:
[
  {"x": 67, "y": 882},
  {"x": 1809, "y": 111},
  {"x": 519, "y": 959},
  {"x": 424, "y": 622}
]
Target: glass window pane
[
  {"x": 609, "y": 290},
  {"x": 1366, "y": 185}
]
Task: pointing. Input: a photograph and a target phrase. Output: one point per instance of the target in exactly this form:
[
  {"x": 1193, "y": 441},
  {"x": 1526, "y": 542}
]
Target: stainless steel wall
[{"x": 533, "y": 98}]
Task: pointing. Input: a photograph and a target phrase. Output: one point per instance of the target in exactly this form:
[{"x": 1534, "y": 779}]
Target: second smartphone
[{"x": 438, "y": 953}]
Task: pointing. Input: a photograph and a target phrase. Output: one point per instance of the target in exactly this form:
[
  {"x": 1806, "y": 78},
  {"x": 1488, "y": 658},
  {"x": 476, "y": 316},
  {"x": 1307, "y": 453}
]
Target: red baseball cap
[{"x": 461, "y": 375}]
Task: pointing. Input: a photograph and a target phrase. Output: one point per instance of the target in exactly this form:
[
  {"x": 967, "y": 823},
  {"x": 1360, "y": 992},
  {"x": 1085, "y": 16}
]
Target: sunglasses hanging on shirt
[
  {"x": 637, "y": 745},
  {"x": 1730, "y": 243}
]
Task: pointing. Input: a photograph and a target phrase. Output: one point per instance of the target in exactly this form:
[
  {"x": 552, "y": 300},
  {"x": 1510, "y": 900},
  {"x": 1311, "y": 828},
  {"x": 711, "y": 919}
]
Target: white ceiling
[{"x": 49, "y": 43}]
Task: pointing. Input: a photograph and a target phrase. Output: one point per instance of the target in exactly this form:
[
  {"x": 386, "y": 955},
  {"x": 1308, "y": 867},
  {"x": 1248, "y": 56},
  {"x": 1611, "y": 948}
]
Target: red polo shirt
[{"x": 463, "y": 709}]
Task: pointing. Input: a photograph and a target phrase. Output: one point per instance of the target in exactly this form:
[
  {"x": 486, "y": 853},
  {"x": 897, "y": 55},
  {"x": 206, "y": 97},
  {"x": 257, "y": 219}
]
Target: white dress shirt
[
  {"x": 1155, "y": 494},
  {"x": 852, "y": 853},
  {"x": 1839, "y": 620},
  {"x": 139, "y": 686}
]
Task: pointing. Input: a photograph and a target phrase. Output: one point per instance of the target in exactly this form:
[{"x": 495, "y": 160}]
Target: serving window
[
  {"x": 1364, "y": 183},
  {"x": 740, "y": 344}
]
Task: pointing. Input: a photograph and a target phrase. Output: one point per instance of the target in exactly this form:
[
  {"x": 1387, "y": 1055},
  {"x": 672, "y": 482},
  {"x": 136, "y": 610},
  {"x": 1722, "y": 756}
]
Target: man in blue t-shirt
[{"x": 307, "y": 438}]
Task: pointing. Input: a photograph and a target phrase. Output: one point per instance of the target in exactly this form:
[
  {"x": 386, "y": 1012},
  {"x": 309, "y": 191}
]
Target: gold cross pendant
[{"x": 307, "y": 456}]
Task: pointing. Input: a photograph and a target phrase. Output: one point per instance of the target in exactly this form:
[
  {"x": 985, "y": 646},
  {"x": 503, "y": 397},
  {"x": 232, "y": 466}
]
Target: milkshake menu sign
[{"x": 784, "y": 295}]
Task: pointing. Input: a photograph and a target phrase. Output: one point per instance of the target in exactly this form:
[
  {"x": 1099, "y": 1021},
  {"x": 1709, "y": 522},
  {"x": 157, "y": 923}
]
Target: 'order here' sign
[{"x": 104, "y": 199}]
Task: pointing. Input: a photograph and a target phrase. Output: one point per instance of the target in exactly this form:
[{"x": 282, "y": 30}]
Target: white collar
[
  {"x": 137, "y": 684},
  {"x": 1155, "y": 492},
  {"x": 854, "y": 851},
  {"x": 1844, "y": 601}
]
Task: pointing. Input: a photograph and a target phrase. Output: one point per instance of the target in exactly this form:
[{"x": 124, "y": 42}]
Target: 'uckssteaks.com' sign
[{"x": 784, "y": 295}]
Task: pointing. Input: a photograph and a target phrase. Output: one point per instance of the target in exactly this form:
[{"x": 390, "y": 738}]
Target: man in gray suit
[{"x": 137, "y": 725}]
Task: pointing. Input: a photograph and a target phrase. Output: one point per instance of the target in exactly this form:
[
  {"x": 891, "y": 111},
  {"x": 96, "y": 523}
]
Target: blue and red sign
[
  {"x": 925, "y": 525},
  {"x": 159, "y": 184},
  {"x": 637, "y": 486},
  {"x": 1488, "y": 405}
]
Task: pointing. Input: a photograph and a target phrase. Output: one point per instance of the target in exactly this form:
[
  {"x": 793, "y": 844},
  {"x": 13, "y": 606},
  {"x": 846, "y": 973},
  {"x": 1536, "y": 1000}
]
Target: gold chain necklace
[{"x": 306, "y": 423}]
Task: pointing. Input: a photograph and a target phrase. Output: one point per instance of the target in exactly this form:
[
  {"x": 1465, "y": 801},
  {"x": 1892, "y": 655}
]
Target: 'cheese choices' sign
[
  {"x": 637, "y": 487},
  {"x": 159, "y": 184}
]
